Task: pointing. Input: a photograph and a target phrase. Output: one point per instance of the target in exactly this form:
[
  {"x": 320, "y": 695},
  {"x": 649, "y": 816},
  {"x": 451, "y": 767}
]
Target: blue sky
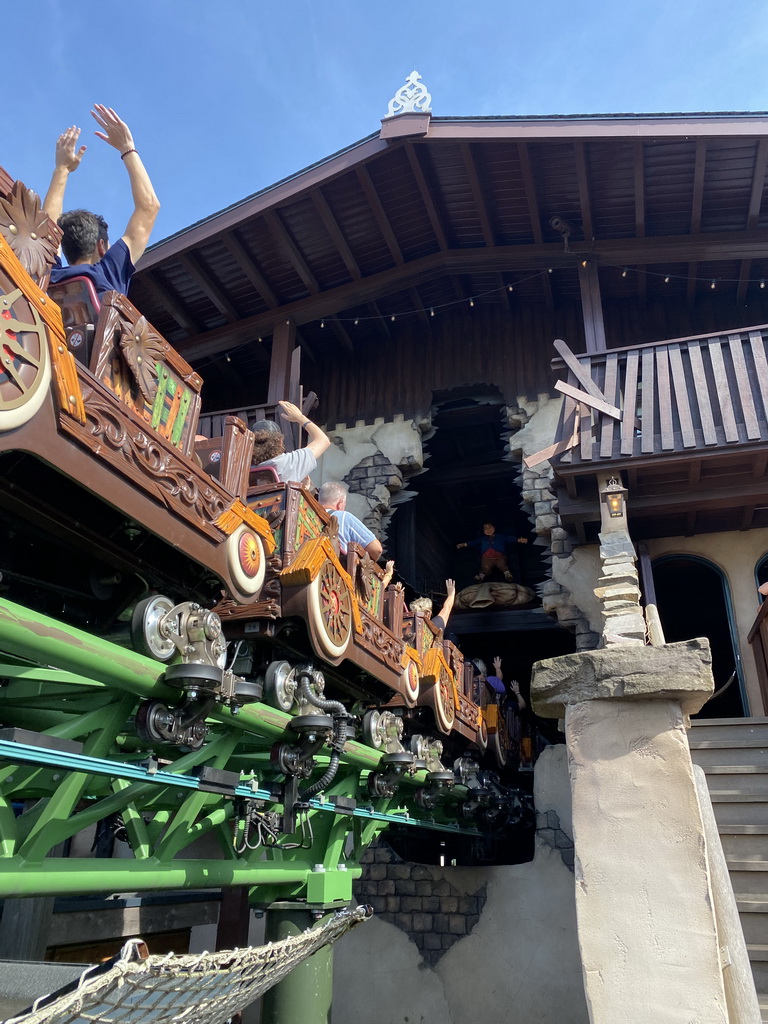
[{"x": 225, "y": 98}]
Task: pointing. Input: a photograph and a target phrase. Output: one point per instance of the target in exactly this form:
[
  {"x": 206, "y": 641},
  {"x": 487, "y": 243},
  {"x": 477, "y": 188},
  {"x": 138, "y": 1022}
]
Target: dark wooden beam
[
  {"x": 581, "y": 177},
  {"x": 470, "y": 167},
  {"x": 341, "y": 333},
  {"x": 191, "y": 263},
  {"x": 753, "y": 212},
  {"x": 426, "y": 196},
  {"x": 291, "y": 250},
  {"x": 639, "y": 164},
  {"x": 591, "y": 307},
  {"x": 249, "y": 267},
  {"x": 533, "y": 213},
  {"x": 418, "y": 306},
  {"x": 616, "y": 252},
  {"x": 380, "y": 322},
  {"x": 283, "y": 344},
  {"x": 162, "y": 293},
  {"x": 337, "y": 235},
  {"x": 699, "y": 170},
  {"x": 377, "y": 209}
]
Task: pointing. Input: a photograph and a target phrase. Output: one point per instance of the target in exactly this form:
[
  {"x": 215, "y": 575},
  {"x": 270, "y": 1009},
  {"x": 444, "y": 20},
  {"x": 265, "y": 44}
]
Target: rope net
[{"x": 206, "y": 988}]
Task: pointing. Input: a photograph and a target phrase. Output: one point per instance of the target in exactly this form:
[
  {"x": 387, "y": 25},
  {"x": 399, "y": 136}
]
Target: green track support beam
[{"x": 304, "y": 996}]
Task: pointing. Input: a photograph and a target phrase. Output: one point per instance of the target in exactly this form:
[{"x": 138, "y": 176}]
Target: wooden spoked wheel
[
  {"x": 329, "y": 610},
  {"x": 25, "y": 363},
  {"x": 246, "y": 560},
  {"x": 499, "y": 741},
  {"x": 481, "y": 740},
  {"x": 445, "y": 713}
]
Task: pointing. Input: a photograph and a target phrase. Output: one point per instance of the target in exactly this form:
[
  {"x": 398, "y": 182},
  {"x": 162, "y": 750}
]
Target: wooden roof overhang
[
  {"x": 690, "y": 440},
  {"x": 429, "y": 213}
]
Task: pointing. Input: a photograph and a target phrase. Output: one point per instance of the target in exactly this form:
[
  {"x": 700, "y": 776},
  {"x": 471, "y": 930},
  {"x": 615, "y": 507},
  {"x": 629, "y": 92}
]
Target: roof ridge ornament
[{"x": 411, "y": 98}]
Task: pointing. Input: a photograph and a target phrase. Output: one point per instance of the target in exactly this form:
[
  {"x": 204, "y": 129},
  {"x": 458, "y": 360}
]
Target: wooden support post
[
  {"x": 283, "y": 344},
  {"x": 592, "y": 307}
]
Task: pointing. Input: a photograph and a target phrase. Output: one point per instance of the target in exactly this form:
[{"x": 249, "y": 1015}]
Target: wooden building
[{"x": 421, "y": 276}]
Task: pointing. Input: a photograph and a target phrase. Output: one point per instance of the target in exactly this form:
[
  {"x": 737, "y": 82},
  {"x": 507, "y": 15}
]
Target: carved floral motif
[
  {"x": 29, "y": 230},
  {"x": 108, "y": 426},
  {"x": 142, "y": 349}
]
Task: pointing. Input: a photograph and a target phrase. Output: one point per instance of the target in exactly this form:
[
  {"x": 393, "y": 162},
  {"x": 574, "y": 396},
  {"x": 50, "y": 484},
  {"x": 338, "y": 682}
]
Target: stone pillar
[{"x": 647, "y": 932}]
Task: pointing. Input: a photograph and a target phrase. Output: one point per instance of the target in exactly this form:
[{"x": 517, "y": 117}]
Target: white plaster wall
[
  {"x": 578, "y": 573},
  {"x": 736, "y": 553},
  {"x": 519, "y": 964}
]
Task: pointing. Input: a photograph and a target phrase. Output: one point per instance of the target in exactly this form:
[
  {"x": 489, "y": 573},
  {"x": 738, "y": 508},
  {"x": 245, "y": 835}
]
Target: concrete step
[
  {"x": 753, "y": 912},
  {"x": 758, "y": 958},
  {"x": 749, "y": 876},
  {"x": 738, "y": 779},
  {"x": 728, "y": 730},
  {"x": 739, "y": 808},
  {"x": 726, "y": 752},
  {"x": 745, "y": 842}
]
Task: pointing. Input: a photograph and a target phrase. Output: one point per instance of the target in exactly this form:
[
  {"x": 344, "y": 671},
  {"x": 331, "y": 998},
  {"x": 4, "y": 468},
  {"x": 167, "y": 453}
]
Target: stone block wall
[{"x": 432, "y": 912}]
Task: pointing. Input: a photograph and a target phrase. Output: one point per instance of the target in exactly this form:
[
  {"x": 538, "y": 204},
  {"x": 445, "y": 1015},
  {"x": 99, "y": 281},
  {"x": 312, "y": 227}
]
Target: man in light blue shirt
[{"x": 333, "y": 497}]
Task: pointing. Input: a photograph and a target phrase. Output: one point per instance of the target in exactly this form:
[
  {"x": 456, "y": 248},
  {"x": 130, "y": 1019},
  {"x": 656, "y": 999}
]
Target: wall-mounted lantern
[{"x": 614, "y": 495}]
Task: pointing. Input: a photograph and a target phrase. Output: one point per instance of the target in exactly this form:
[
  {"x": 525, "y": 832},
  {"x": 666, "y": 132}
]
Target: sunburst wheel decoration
[
  {"x": 29, "y": 230},
  {"x": 249, "y": 551}
]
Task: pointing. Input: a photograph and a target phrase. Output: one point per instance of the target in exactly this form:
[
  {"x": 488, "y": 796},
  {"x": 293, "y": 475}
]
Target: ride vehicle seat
[
  {"x": 79, "y": 311},
  {"x": 261, "y": 475}
]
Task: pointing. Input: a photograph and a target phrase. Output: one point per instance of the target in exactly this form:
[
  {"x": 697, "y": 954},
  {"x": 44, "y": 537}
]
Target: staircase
[{"x": 734, "y": 755}]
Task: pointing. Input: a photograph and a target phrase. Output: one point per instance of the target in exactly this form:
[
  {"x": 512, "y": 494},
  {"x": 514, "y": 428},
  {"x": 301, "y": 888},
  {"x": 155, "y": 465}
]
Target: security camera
[{"x": 561, "y": 224}]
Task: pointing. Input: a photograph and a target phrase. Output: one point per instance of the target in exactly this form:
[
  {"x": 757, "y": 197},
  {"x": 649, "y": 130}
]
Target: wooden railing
[
  {"x": 673, "y": 396},
  {"x": 212, "y": 424}
]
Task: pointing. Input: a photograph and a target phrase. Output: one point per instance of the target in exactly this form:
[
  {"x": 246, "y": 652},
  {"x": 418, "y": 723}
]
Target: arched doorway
[{"x": 694, "y": 599}]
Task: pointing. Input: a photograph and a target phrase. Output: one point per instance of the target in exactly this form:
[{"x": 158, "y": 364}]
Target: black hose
[{"x": 339, "y": 733}]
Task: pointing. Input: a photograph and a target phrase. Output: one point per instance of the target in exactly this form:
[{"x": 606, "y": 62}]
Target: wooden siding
[{"x": 509, "y": 351}]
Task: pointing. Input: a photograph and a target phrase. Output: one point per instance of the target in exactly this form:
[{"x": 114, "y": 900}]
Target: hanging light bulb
[
  {"x": 712, "y": 286},
  {"x": 322, "y": 323},
  {"x": 471, "y": 303},
  {"x": 392, "y": 318},
  {"x": 431, "y": 312},
  {"x": 510, "y": 288},
  {"x": 624, "y": 272},
  {"x": 666, "y": 279},
  {"x": 584, "y": 263},
  {"x": 228, "y": 359},
  {"x": 356, "y": 322},
  {"x": 549, "y": 270},
  {"x": 762, "y": 284}
]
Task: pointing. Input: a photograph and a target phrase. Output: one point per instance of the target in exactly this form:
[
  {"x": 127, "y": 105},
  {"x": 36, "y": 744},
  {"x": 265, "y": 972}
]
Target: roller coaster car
[
  {"x": 99, "y": 460},
  {"x": 355, "y": 625}
]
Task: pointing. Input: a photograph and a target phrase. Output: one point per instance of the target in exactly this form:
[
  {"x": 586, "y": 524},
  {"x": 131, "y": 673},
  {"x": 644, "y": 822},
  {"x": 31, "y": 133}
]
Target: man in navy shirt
[{"x": 85, "y": 241}]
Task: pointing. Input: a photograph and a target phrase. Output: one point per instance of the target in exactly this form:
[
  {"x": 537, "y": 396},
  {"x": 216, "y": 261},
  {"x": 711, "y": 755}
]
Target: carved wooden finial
[
  {"x": 410, "y": 98},
  {"x": 29, "y": 230}
]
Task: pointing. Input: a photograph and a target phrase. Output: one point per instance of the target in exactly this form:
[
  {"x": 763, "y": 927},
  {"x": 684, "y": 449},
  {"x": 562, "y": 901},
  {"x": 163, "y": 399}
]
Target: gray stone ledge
[{"x": 631, "y": 672}]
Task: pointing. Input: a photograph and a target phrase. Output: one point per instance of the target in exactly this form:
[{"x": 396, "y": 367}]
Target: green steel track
[{"x": 80, "y": 762}]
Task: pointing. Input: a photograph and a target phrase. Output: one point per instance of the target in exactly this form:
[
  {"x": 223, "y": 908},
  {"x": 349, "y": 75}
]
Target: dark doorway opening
[
  {"x": 468, "y": 482},
  {"x": 693, "y": 600}
]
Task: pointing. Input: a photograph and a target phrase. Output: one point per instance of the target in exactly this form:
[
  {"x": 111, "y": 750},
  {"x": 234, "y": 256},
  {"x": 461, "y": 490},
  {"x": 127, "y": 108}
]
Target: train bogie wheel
[
  {"x": 372, "y": 732},
  {"x": 498, "y": 743},
  {"x": 246, "y": 560},
  {"x": 329, "y": 610},
  {"x": 145, "y": 628},
  {"x": 280, "y": 685},
  {"x": 481, "y": 739}
]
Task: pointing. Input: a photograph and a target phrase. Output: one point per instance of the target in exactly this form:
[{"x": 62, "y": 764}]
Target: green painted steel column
[{"x": 305, "y": 995}]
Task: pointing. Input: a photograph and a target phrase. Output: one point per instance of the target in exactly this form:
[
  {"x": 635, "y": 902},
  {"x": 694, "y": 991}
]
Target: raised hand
[
  {"x": 450, "y": 587},
  {"x": 116, "y": 133},
  {"x": 497, "y": 665},
  {"x": 68, "y": 156},
  {"x": 291, "y": 412}
]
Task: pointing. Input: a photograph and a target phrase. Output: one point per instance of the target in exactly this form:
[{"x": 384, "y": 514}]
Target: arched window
[{"x": 694, "y": 599}]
